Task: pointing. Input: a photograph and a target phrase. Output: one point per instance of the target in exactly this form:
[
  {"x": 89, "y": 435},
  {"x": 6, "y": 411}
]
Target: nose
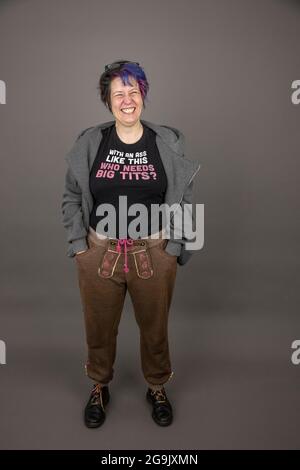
[{"x": 127, "y": 100}]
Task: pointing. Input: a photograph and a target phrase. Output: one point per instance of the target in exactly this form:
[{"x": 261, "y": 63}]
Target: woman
[{"x": 133, "y": 159}]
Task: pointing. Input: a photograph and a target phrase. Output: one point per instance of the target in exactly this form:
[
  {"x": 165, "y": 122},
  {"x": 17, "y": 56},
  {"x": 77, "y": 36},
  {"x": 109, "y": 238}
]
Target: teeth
[{"x": 128, "y": 110}]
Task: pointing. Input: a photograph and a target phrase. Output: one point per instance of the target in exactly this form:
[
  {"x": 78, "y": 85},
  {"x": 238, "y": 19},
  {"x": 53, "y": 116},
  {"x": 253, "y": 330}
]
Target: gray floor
[{"x": 234, "y": 386}]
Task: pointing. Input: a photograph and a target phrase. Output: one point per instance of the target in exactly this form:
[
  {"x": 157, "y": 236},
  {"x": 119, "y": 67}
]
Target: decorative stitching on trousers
[
  {"x": 109, "y": 263},
  {"x": 143, "y": 264}
]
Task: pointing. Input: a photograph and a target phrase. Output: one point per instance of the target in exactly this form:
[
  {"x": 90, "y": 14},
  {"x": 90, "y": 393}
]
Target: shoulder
[
  {"x": 173, "y": 133},
  {"x": 85, "y": 131},
  {"x": 93, "y": 130},
  {"x": 172, "y": 136}
]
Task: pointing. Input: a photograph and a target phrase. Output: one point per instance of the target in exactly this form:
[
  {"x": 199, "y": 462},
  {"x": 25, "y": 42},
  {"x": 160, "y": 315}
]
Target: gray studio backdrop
[{"x": 222, "y": 72}]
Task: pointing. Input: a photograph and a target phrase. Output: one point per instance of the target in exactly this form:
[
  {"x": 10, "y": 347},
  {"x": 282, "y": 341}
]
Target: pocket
[
  {"x": 91, "y": 247},
  {"x": 143, "y": 264},
  {"x": 162, "y": 248},
  {"x": 108, "y": 263}
]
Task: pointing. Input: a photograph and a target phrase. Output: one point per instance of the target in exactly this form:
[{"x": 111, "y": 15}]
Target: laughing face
[{"x": 126, "y": 101}]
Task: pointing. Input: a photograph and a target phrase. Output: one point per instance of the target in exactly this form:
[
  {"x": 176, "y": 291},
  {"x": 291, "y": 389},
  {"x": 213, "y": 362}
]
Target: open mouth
[{"x": 128, "y": 110}]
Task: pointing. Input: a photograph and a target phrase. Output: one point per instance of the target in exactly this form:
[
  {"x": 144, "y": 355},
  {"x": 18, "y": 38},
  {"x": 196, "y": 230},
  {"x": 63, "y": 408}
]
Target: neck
[{"x": 129, "y": 134}]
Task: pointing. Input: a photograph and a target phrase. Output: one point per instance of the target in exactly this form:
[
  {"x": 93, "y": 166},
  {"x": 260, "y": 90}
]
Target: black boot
[
  {"x": 94, "y": 413},
  {"x": 162, "y": 412}
]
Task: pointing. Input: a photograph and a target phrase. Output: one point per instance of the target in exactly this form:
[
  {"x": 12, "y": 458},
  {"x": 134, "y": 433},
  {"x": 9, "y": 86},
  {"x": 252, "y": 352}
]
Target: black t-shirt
[{"x": 132, "y": 170}]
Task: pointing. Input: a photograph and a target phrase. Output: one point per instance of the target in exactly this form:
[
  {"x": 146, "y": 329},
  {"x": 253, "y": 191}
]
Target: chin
[{"x": 131, "y": 120}]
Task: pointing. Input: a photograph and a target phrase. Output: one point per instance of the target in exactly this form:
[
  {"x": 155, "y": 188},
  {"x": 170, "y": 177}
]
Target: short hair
[{"x": 123, "y": 69}]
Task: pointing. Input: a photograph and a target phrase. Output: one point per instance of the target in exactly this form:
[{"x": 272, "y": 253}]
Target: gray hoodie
[{"x": 77, "y": 200}]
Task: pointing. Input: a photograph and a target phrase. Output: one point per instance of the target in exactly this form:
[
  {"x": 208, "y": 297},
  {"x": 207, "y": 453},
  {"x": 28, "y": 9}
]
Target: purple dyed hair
[{"x": 125, "y": 72}]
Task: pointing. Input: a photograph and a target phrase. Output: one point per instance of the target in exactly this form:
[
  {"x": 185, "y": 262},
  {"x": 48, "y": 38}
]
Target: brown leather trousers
[{"x": 103, "y": 283}]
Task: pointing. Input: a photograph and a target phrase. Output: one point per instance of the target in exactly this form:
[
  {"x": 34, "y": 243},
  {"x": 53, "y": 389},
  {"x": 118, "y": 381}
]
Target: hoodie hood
[{"x": 173, "y": 137}]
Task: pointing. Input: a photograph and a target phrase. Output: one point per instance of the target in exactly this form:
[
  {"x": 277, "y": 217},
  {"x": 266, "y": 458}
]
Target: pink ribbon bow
[{"x": 125, "y": 242}]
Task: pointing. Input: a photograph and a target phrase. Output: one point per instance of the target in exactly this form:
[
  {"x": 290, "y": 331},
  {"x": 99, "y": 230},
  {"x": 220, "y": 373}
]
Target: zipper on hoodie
[{"x": 192, "y": 177}]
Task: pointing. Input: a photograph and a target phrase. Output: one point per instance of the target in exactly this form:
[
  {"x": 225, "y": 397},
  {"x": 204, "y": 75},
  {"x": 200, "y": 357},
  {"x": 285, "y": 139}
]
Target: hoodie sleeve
[
  {"x": 176, "y": 247},
  {"x": 72, "y": 216},
  {"x": 185, "y": 254}
]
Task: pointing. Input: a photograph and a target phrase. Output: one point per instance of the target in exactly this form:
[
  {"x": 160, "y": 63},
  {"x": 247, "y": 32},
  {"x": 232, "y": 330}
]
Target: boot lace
[
  {"x": 96, "y": 398},
  {"x": 160, "y": 395}
]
